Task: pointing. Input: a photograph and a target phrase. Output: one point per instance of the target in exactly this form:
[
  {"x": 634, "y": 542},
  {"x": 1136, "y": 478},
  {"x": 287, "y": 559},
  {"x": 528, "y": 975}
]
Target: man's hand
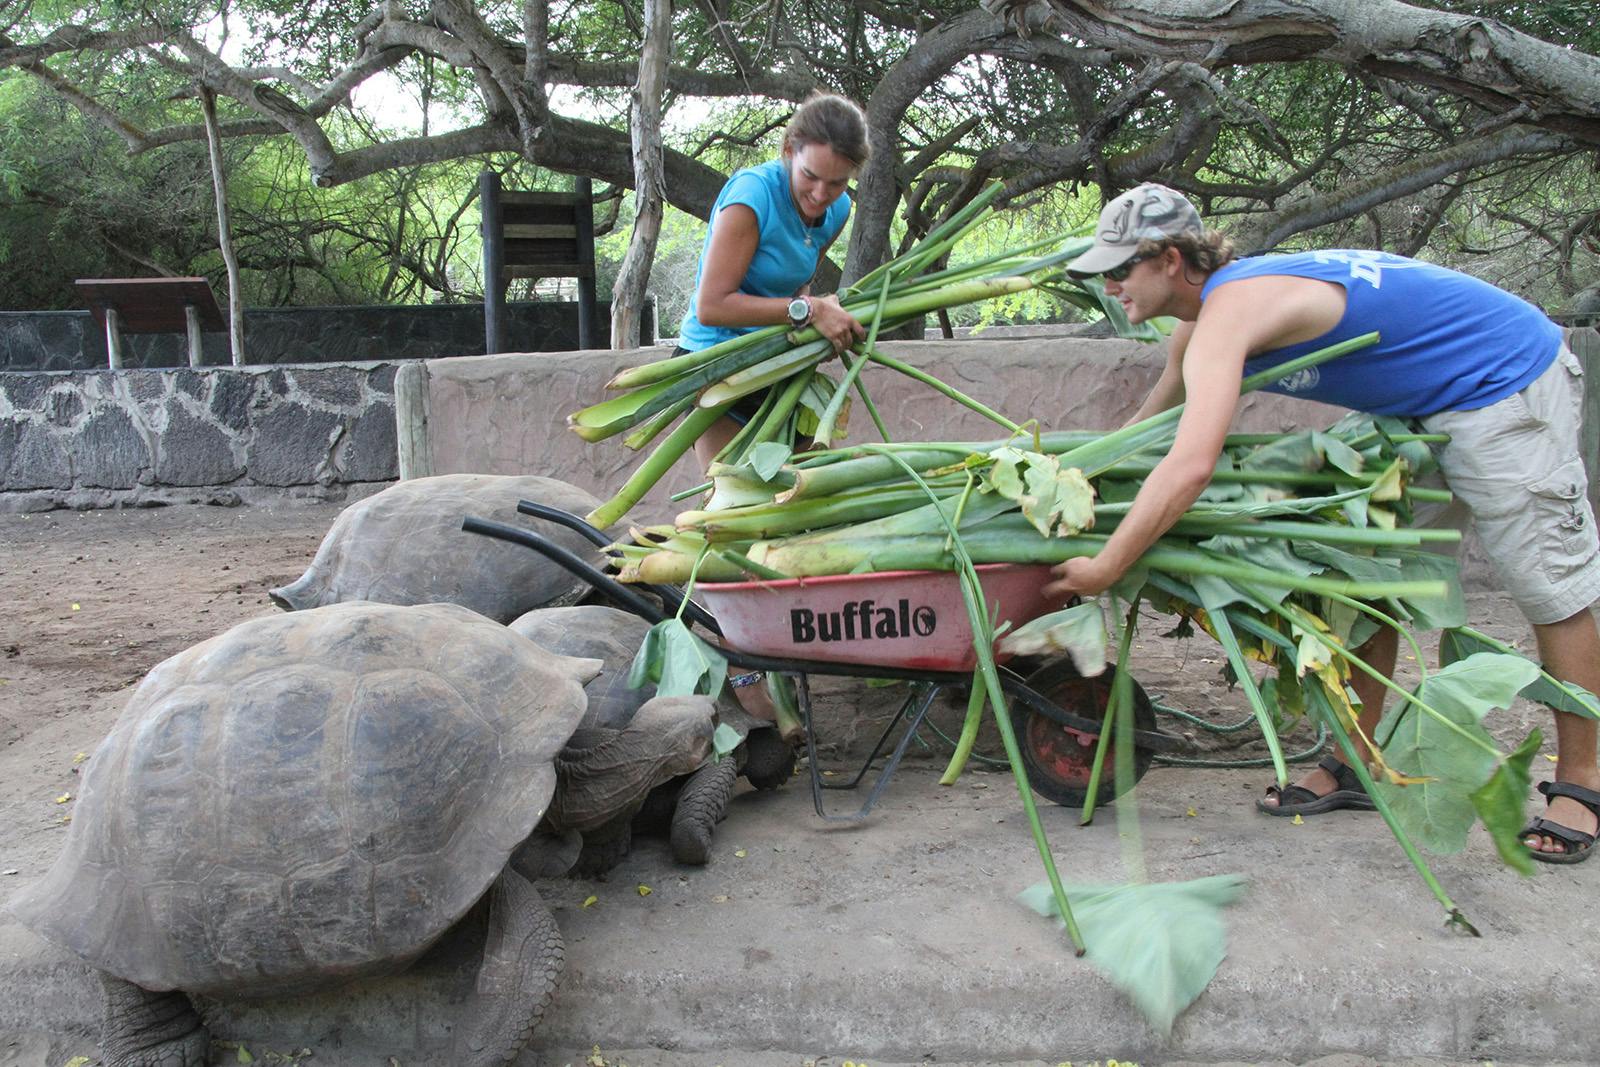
[{"x": 1084, "y": 576}]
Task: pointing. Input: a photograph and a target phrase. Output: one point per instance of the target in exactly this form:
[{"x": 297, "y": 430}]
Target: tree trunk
[
  {"x": 208, "y": 105},
  {"x": 644, "y": 119}
]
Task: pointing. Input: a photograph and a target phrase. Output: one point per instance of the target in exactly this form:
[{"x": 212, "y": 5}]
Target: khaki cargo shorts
[{"x": 1516, "y": 467}]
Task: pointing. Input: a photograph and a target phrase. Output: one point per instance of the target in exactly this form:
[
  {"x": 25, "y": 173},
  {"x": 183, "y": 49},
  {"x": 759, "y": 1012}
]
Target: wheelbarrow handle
[
  {"x": 564, "y": 518},
  {"x": 578, "y": 566},
  {"x": 669, "y": 596}
]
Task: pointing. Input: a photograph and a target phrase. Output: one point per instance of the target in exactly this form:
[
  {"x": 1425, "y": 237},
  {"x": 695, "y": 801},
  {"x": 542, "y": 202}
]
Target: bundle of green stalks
[
  {"x": 694, "y": 390},
  {"x": 1300, "y": 550}
]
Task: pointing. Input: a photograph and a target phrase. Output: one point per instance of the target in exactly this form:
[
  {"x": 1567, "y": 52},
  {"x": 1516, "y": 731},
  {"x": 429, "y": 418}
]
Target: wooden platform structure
[
  {"x": 151, "y": 305},
  {"x": 536, "y": 235}
]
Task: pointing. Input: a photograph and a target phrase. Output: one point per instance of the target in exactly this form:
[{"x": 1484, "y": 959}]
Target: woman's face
[{"x": 817, "y": 177}]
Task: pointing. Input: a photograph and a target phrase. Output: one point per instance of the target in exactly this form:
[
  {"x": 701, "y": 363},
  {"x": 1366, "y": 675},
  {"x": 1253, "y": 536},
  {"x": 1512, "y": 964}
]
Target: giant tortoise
[
  {"x": 405, "y": 545},
  {"x": 689, "y": 807},
  {"x": 317, "y": 797}
]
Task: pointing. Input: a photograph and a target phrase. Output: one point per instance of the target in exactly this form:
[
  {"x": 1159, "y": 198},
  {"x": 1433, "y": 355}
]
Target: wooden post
[
  {"x": 113, "y": 339},
  {"x": 494, "y": 262},
  {"x": 208, "y": 107},
  {"x": 584, "y": 212},
  {"x": 191, "y": 322}
]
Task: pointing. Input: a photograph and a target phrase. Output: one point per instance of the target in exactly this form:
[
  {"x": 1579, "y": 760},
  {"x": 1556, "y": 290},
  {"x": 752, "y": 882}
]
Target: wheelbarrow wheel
[{"x": 1058, "y": 758}]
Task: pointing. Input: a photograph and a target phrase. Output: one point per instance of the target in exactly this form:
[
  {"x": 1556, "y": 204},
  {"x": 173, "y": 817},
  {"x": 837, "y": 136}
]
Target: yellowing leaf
[
  {"x": 244, "y": 1055},
  {"x": 589, "y": 901},
  {"x": 1549, "y": 757},
  {"x": 1191, "y": 813},
  {"x": 644, "y": 890},
  {"x": 78, "y": 1061},
  {"x": 720, "y": 898},
  {"x": 1298, "y": 821},
  {"x": 80, "y": 757},
  {"x": 63, "y": 798},
  {"x": 740, "y": 853},
  {"x": 75, "y": 607}
]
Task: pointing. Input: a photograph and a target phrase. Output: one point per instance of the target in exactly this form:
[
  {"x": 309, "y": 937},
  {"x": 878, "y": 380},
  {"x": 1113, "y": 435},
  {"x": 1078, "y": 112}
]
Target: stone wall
[
  {"x": 72, "y": 340},
  {"x": 214, "y": 434}
]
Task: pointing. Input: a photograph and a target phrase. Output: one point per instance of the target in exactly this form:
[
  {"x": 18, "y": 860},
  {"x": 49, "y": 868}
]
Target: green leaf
[
  {"x": 1079, "y": 631},
  {"x": 723, "y": 741},
  {"x": 1432, "y": 613},
  {"x": 1052, "y": 498},
  {"x": 1499, "y": 803},
  {"x": 1438, "y": 813},
  {"x": 678, "y": 662},
  {"x": 1558, "y": 695},
  {"x": 1339, "y": 454},
  {"x": 1159, "y": 943}
]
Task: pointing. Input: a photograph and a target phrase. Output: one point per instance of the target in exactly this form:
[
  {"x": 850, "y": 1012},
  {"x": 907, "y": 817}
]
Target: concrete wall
[
  {"x": 218, "y": 435},
  {"x": 72, "y": 340}
]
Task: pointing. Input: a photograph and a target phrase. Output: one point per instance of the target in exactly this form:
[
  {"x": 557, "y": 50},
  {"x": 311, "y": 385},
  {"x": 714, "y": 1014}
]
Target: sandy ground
[{"x": 94, "y": 599}]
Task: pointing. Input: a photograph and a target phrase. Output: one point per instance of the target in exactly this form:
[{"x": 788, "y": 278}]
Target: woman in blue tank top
[{"x": 769, "y": 229}]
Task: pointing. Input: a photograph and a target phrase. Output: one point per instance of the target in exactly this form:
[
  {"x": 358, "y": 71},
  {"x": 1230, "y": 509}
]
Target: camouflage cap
[{"x": 1146, "y": 212}]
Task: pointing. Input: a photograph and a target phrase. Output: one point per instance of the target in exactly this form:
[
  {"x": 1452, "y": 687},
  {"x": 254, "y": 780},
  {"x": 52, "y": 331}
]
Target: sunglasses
[{"x": 1121, "y": 271}]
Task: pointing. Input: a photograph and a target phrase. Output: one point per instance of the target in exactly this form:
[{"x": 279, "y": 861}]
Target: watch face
[{"x": 799, "y": 311}]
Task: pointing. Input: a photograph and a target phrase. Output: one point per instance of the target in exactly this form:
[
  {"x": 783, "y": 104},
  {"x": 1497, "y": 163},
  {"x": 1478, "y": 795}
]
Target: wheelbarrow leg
[{"x": 922, "y": 696}]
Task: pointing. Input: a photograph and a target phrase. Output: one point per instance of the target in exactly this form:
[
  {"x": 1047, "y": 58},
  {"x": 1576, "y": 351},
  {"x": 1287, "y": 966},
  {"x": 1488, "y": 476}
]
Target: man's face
[{"x": 1143, "y": 291}]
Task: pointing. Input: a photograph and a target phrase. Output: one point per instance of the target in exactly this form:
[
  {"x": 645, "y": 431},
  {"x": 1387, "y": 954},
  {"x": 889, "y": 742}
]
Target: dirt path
[{"x": 93, "y": 600}]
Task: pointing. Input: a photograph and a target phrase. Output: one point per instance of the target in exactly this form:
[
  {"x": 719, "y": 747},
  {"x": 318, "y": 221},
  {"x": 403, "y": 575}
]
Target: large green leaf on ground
[
  {"x": 1159, "y": 943},
  {"x": 678, "y": 662},
  {"x": 1499, "y": 803},
  {"x": 1456, "y": 757}
]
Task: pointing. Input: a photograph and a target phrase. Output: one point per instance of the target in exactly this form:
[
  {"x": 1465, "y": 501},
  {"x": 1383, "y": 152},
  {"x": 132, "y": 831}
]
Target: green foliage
[
  {"x": 677, "y": 662},
  {"x": 1160, "y": 942},
  {"x": 1450, "y": 750}
]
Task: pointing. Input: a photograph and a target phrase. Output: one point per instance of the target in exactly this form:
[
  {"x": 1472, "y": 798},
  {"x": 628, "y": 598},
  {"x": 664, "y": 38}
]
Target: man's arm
[
  {"x": 1238, "y": 319},
  {"x": 1212, "y": 370},
  {"x": 1167, "y": 392}
]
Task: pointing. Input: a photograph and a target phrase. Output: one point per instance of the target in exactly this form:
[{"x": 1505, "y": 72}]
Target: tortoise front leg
[
  {"x": 144, "y": 1029},
  {"x": 522, "y": 958},
  {"x": 701, "y": 805}
]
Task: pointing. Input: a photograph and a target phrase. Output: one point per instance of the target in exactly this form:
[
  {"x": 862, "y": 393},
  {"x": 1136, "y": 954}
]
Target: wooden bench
[
  {"x": 151, "y": 305},
  {"x": 535, "y": 235}
]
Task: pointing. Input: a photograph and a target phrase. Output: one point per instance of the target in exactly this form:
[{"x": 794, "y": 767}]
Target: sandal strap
[
  {"x": 1291, "y": 794},
  {"x": 1344, "y": 776},
  {"x": 1575, "y": 840},
  {"x": 1589, "y": 798}
]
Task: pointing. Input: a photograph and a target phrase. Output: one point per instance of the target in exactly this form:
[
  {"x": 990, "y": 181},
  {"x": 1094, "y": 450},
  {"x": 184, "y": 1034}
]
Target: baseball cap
[{"x": 1147, "y": 211}]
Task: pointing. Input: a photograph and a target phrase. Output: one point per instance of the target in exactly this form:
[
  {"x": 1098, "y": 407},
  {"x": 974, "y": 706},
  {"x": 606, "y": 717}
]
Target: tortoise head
[{"x": 607, "y": 773}]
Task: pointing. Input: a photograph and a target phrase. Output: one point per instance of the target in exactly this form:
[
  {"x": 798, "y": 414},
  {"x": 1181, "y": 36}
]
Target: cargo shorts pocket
[{"x": 1566, "y": 534}]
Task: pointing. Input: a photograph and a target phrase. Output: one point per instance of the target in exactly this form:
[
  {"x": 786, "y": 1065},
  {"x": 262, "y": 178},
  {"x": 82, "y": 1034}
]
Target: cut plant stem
[{"x": 679, "y": 441}]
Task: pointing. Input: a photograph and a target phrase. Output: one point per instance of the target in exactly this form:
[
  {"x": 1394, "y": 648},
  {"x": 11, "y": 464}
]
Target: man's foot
[
  {"x": 750, "y": 690},
  {"x": 1566, "y": 833},
  {"x": 1328, "y": 788}
]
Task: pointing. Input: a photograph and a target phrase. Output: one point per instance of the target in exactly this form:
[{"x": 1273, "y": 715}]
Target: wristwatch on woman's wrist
[{"x": 799, "y": 312}]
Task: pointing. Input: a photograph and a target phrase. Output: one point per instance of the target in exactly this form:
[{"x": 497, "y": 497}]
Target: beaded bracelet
[{"x": 739, "y": 681}]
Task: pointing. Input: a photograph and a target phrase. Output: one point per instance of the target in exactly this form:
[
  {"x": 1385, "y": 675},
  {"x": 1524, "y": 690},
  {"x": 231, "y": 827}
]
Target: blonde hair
[
  {"x": 832, "y": 120},
  {"x": 1203, "y": 252}
]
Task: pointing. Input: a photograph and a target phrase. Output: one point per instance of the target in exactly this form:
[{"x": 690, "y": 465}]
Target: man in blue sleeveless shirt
[{"x": 1461, "y": 356}]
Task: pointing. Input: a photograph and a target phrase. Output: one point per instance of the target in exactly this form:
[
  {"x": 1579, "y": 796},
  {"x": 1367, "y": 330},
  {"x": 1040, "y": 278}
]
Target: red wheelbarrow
[{"x": 904, "y": 625}]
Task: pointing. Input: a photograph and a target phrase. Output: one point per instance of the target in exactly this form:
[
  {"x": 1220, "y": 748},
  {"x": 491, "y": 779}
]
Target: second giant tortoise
[
  {"x": 317, "y": 797},
  {"x": 405, "y": 545},
  {"x": 690, "y": 806}
]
